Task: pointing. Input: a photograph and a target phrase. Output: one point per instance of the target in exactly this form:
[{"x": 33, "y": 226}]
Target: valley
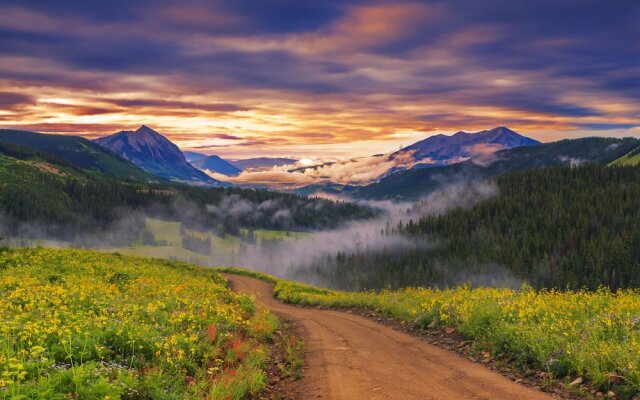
[
  {"x": 522, "y": 260},
  {"x": 338, "y": 200}
]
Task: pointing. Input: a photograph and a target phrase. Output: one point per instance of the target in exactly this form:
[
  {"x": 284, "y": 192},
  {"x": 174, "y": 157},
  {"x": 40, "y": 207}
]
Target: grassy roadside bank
[
  {"x": 90, "y": 325},
  {"x": 591, "y": 335}
]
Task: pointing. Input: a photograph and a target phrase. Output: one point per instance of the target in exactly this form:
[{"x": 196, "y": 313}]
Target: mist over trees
[
  {"x": 559, "y": 227},
  {"x": 46, "y": 198}
]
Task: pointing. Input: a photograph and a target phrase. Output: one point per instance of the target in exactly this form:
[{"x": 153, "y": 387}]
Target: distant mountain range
[
  {"x": 417, "y": 182},
  {"x": 443, "y": 149},
  {"x": 79, "y": 152},
  {"x": 146, "y": 155},
  {"x": 233, "y": 167},
  {"x": 155, "y": 154},
  {"x": 216, "y": 164},
  {"x": 193, "y": 156}
]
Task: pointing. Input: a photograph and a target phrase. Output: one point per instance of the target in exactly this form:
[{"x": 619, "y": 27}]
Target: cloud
[
  {"x": 355, "y": 171},
  {"x": 573, "y": 162},
  {"x": 607, "y": 126},
  {"x": 274, "y": 177},
  {"x": 164, "y": 104},
  {"x": 312, "y": 73},
  {"x": 11, "y": 101}
]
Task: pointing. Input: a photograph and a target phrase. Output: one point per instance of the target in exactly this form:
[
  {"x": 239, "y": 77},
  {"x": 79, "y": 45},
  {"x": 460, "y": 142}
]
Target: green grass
[
  {"x": 13, "y": 171},
  {"x": 88, "y": 325},
  {"x": 629, "y": 159},
  {"x": 595, "y": 335},
  {"x": 222, "y": 249},
  {"x": 261, "y": 234},
  {"x": 167, "y": 231},
  {"x": 166, "y": 252}
]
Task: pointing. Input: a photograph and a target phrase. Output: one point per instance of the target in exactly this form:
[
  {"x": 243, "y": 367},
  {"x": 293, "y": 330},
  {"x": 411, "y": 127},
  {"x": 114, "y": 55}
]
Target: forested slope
[
  {"x": 555, "y": 227},
  {"x": 45, "y": 196}
]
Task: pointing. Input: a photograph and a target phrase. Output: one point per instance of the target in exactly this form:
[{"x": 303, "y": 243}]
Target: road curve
[{"x": 350, "y": 357}]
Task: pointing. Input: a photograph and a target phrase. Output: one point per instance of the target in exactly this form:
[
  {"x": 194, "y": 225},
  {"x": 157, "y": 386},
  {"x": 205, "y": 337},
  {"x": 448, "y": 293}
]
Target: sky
[{"x": 315, "y": 78}]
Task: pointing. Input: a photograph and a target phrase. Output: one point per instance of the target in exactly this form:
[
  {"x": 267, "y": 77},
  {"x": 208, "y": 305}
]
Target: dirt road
[{"x": 350, "y": 357}]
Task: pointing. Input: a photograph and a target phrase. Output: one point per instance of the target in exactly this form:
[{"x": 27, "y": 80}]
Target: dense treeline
[
  {"x": 554, "y": 227},
  {"x": 235, "y": 208},
  {"x": 68, "y": 209},
  {"x": 557, "y": 227}
]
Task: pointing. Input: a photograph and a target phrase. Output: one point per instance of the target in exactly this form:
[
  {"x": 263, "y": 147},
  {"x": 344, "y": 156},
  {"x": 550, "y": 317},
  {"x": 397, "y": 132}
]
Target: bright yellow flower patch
[
  {"x": 98, "y": 325},
  {"x": 591, "y": 334}
]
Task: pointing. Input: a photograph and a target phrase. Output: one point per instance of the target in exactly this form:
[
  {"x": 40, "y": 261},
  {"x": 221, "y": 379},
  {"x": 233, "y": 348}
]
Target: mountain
[
  {"x": 262, "y": 162},
  {"x": 443, "y": 149},
  {"x": 417, "y": 182},
  {"x": 216, "y": 164},
  {"x": 77, "y": 151},
  {"x": 155, "y": 154},
  {"x": 192, "y": 155}
]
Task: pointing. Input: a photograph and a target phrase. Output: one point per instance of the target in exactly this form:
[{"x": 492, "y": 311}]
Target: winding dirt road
[{"x": 350, "y": 357}]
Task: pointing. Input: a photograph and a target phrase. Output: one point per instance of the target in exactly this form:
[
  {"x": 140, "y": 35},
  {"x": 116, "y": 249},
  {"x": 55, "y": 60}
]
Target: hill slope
[
  {"x": 155, "y": 154},
  {"x": 631, "y": 158},
  {"x": 41, "y": 197},
  {"x": 91, "y": 308},
  {"x": 44, "y": 197},
  {"x": 417, "y": 182},
  {"x": 77, "y": 151}
]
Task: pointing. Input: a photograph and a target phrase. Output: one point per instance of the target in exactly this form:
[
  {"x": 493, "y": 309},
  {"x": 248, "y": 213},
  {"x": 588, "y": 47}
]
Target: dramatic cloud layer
[{"x": 287, "y": 77}]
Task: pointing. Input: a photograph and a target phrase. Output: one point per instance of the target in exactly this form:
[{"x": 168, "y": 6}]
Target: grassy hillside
[
  {"x": 631, "y": 158},
  {"x": 417, "y": 182},
  {"x": 595, "y": 335},
  {"x": 79, "y": 152},
  {"x": 82, "y": 324}
]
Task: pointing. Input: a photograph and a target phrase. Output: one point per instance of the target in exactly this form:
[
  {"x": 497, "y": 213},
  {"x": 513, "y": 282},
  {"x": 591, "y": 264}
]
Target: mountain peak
[
  {"x": 147, "y": 134},
  {"x": 145, "y": 129},
  {"x": 154, "y": 153},
  {"x": 215, "y": 163},
  {"x": 442, "y": 149}
]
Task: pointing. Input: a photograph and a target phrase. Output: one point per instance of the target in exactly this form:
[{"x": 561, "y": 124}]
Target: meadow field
[
  {"x": 223, "y": 249},
  {"x": 89, "y": 325},
  {"x": 594, "y": 335}
]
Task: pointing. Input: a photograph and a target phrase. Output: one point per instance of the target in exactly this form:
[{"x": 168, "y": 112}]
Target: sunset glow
[{"x": 345, "y": 78}]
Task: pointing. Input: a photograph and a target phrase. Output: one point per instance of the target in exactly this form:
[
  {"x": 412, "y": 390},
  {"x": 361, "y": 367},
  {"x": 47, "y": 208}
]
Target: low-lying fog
[{"x": 301, "y": 258}]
